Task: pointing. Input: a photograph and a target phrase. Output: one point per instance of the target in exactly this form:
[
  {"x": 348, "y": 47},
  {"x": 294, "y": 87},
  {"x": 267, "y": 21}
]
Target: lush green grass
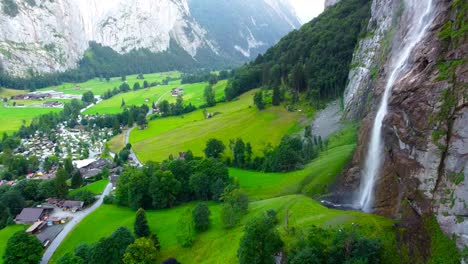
[
  {"x": 235, "y": 119},
  {"x": 95, "y": 187},
  {"x": 11, "y": 119},
  {"x": 99, "y": 87},
  {"x": 117, "y": 143},
  {"x": 5, "y": 234},
  {"x": 217, "y": 245}
]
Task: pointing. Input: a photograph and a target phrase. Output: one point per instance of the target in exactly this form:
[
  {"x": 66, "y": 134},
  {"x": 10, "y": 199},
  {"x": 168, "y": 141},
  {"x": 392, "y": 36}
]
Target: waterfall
[{"x": 419, "y": 18}]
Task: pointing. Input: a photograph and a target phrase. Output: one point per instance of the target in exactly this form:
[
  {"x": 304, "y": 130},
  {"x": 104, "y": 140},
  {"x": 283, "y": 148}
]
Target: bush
[{"x": 85, "y": 196}]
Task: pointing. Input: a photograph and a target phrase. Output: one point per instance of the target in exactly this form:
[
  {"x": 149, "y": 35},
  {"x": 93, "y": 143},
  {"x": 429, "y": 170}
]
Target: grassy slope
[
  {"x": 95, "y": 187},
  {"x": 11, "y": 119},
  {"x": 99, "y": 87},
  {"x": 117, "y": 143},
  {"x": 4, "y": 92},
  {"x": 236, "y": 119},
  {"x": 216, "y": 245},
  {"x": 193, "y": 93},
  {"x": 5, "y": 234}
]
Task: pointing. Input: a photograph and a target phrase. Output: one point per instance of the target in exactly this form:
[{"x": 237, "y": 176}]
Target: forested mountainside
[
  {"x": 314, "y": 59},
  {"x": 42, "y": 36}
]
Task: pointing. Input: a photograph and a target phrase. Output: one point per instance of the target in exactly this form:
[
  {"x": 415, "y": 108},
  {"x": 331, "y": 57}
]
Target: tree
[
  {"x": 123, "y": 104},
  {"x": 186, "y": 229},
  {"x": 136, "y": 86},
  {"x": 123, "y": 78},
  {"x": 259, "y": 243},
  {"x": 164, "y": 108},
  {"x": 60, "y": 183},
  {"x": 141, "y": 228},
  {"x": 68, "y": 166},
  {"x": 145, "y": 84},
  {"x": 142, "y": 251},
  {"x": 23, "y": 248},
  {"x": 258, "y": 100},
  {"x": 201, "y": 217},
  {"x": 84, "y": 195},
  {"x": 214, "y": 148},
  {"x": 276, "y": 100},
  {"x": 235, "y": 204},
  {"x": 69, "y": 258},
  {"x": 164, "y": 188},
  {"x": 13, "y": 200},
  {"x": 76, "y": 179},
  {"x": 112, "y": 249},
  {"x": 88, "y": 97},
  {"x": 210, "y": 96}
]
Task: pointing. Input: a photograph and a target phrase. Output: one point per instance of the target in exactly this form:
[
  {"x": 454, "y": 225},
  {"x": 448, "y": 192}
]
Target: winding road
[{"x": 71, "y": 225}]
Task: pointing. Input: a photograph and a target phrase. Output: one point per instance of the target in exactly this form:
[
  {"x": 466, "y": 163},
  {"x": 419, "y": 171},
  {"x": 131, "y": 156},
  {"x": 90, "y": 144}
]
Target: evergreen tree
[
  {"x": 141, "y": 228},
  {"x": 201, "y": 217},
  {"x": 210, "y": 96},
  {"x": 276, "y": 100},
  {"x": 136, "y": 86},
  {"x": 60, "y": 183},
  {"x": 76, "y": 180},
  {"x": 122, "y": 104},
  {"x": 258, "y": 100}
]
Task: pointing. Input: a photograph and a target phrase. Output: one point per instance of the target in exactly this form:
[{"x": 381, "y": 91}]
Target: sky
[{"x": 308, "y": 9}]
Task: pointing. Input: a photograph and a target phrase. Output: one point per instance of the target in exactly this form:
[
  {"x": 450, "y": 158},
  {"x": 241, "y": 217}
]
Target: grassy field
[
  {"x": 217, "y": 245},
  {"x": 11, "y": 119},
  {"x": 235, "y": 119},
  {"x": 4, "y": 92},
  {"x": 193, "y": 93},
  {"x": 99, "y": 87},
  {"x": 117, "y": 143},
  {"x": 95, "y": 187},
  {"x": 5, "y": 234}
]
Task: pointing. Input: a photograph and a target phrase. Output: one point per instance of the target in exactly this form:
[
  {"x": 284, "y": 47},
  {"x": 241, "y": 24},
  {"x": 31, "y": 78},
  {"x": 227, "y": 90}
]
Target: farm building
[
  {"x": 177, "y": 91},
  {"x": 32, "y": 215}
]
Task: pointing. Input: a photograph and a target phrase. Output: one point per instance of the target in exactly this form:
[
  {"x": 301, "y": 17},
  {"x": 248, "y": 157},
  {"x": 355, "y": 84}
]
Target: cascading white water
[{"x": 420, "y": 18}]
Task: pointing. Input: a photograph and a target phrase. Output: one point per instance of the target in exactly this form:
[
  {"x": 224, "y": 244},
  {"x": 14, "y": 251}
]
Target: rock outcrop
[{"x": 426, "y": 128}]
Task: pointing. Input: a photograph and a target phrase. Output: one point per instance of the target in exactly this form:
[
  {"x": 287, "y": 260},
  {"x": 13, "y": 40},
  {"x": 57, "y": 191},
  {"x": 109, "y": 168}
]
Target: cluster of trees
[
  {"x": 121, "y": 247},
  {"x": 16, "y": 166},
  {"x": 206, "y": 76},
  {"x": 88, "y": 98},
  {"x": 291, "y": 154},
  {"x": 128, "y": 117},
  {"x": 172, "y": 182},
  {"x": 336, "y": 247},
  {"x": 175, "y": 109},
  {"x": 314, "y": 59},
  {"x": 22, "y": 247},
  {"x": 261, "y": 240}
]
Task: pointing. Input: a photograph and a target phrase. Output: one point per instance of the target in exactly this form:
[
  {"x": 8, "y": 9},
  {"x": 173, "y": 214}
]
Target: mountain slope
[{"x": 51, "y": 36}]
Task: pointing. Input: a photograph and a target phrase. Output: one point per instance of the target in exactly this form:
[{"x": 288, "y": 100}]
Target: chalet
[
  {"x": 52, "y": 104},
  {"x": 177, "y": 91},
  {"x": 32, "y": 215},
  {"x": 72, "y": 205}
]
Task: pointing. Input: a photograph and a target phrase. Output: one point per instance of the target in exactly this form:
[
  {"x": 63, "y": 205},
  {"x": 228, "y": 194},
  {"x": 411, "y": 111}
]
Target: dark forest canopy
[{"x": 314, "y": 59}]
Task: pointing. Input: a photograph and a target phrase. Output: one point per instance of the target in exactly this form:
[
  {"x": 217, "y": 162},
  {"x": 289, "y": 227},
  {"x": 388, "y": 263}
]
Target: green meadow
[
  {"x": 7, "y": 93},
  {"x": 96, "y": 187},
  {"x": 12, "y": 118},
  {"x": 217, "y": 245},
  {"x": 5, "y": 234},
  {"x": 100, "y": 86},
  {"x": 193, "y": 93},
  {"x": 235, "y": 119}
]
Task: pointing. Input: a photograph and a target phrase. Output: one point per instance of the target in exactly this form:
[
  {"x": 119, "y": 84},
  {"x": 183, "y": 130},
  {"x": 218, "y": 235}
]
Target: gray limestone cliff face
[
  {"x": 425, "y": 132},
  {"x": 329, "y": 3},
  {"x": 369, "y": 57},
  {"x": 47, "y": 37}
]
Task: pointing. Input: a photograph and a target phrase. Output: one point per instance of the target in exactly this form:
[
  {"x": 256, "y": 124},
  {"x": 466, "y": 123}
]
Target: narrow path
[{"x": 72, "y": 224}]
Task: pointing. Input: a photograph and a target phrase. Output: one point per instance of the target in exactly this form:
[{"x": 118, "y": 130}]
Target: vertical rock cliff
[{"x": 425, "y": 133}]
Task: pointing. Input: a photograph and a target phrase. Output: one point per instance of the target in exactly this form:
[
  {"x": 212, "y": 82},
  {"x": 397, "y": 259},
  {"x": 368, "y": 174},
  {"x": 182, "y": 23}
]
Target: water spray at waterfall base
[{"x": 420, "y": 12}]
